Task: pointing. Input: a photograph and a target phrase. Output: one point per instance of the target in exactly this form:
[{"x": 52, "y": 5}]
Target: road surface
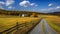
[{"x": 39, "y": 30}]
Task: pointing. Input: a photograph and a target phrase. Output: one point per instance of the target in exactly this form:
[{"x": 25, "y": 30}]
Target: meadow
[
  {"x": 7, "y": 22},
  {"x": 54, "y": 22}
]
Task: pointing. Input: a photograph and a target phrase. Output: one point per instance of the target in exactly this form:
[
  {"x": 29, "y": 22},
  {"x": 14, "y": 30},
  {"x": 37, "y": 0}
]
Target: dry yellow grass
[
  {"x": 56, "y": 19},
  {"x": 54, "y": 22},
  {"x": 8, "y": 22}
]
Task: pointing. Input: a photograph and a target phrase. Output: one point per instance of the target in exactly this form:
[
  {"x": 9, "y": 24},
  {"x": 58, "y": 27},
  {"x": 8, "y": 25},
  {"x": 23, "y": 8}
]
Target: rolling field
[
  {"x": 7, "y": 22},
  {"x": 54, "y": 22}
]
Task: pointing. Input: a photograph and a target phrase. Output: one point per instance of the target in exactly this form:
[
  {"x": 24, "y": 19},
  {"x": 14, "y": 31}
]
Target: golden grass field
[
  {"x": 7, "y": 22},
  {"x": 54, "y": 22}
]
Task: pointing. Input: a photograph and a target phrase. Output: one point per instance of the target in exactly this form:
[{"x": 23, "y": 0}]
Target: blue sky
[{"x": 31, "y": 5}]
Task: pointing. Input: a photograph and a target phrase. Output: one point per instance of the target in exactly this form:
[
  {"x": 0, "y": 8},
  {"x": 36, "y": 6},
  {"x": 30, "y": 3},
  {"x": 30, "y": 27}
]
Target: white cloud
[
  {"x": 48, "y": 9},
  {"x": 2, "y": 3},
  {"x": 1, "y": 7},
  {"x": 51, "y": 9},
  {"x": 58, "y": 7},
  {"x": 6, "y": 3},
  {"x": 32, "y": 4},
  {"x": 9, "y": 2},
  {"x": 50, "y": 4},
  {"x": 10, "y": 7},
  {"x": 26, "y": 3},
  {"x": 36, "y": 5}
]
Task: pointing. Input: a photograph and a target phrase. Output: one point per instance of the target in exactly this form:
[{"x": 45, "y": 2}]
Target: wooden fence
[{"x": 16, "y": 27}]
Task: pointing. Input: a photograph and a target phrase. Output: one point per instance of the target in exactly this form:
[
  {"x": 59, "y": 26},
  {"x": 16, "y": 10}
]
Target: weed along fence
[{"x": 17, "y": 27}]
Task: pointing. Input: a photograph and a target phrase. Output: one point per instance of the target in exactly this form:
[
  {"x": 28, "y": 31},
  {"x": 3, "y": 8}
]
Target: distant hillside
[
  {"x": 55, "y": 13},
  {"x": 9, "y": 12}
]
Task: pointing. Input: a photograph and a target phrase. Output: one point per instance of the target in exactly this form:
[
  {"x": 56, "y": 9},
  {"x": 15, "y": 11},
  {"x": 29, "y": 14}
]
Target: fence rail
[{"x": 16, "y": 27}]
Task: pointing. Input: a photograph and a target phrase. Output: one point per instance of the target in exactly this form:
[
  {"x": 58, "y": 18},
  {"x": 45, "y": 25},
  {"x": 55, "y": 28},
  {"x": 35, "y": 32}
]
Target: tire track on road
[{"x": 39, "y": 29}]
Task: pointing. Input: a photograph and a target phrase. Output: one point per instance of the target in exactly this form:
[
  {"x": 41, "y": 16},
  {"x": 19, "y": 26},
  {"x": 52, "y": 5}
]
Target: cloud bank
[
  {"x": 9, "y": 2},
  {"x": 26, "y": 3},
  {"x": 57, "y": 8},
  {"x": 2, "y": 3}
]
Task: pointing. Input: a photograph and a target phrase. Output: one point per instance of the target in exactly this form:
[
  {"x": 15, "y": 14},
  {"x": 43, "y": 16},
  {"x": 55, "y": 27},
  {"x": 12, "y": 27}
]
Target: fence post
[
  {"x": 33, "y": 23},
  {"x": 25, "y": 24},
  {"x": 0, "y": 33},
  {"x": 17, "y": 26}
]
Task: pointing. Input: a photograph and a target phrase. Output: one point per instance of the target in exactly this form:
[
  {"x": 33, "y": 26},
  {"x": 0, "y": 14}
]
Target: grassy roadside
[
  {"x": 53, "y": 21},
  {"x": 55, "y": 26}
]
